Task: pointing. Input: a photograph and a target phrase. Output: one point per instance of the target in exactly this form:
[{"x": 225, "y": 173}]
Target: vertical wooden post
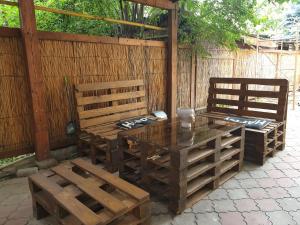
[
  {"x": 277, "y": 72},
  {"x": 193, "y": 80},
  {"x": 172, "y": 62},
  {"x": 234, "y": 63},
  {"x": 33, "y": 60},
  {"x": 296, "y": 70}
]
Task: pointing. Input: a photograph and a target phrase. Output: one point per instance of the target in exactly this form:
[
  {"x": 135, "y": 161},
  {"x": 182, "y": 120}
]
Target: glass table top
[{"x": 170, "y": 134}]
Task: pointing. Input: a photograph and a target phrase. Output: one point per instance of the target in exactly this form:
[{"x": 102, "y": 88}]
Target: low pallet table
[
  {"x": 182, "y": 165},
  {"x": 81, "y": 193}
]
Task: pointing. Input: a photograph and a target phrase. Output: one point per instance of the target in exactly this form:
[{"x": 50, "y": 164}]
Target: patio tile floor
[{"x": 257, "y": 196}]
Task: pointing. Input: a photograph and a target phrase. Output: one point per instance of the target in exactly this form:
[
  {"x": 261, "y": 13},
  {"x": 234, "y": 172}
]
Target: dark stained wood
[
  {"x": 33, "y": 61},
  {"x": 242, "y": 105},
  {"x": 172, "y": 62},
  {"x": 98, "y": 123},
  {"x": 73, "y": 195},
  {"x": 182, "y": 165},
  {"x": 259, "y": 144},
  {"x": 10, "y": 32},
  {"x": 260, "y": 81},
  {"x": 163, "y": 4}
]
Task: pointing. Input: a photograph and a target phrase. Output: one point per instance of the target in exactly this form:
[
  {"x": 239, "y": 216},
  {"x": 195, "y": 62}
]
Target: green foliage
[
  {"x": 9, "y": 16},
  {"x": 219, "y": 22},
  {"x": 62, "y": 23}
]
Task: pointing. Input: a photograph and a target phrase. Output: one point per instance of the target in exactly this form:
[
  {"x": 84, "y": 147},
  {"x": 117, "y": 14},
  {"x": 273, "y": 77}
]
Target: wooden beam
[
  {"x": 193, "y": 81},
  {"x": 162, "y": 4},
  {"x": 44, "y": 35},
  {"x": 9, "y": 32},
  {"x": 33, "y": 60},
  {"x": 172, "y": 62}
]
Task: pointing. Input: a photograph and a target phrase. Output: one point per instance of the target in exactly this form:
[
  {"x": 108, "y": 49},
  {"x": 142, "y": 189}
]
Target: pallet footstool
[{"x": 81, "y": 193}]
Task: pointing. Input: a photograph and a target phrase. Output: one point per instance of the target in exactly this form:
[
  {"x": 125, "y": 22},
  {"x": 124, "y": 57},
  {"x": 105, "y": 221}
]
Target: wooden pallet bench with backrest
[
  {"x": 255, "y": 98},
  {"x": 100, "y": 107},
  {"x": 82, "y": 193}
]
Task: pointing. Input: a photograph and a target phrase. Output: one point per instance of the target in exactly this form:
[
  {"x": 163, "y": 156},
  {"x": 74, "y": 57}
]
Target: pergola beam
[
  {"x": 172, "y": 62},
  {"x": 162, "y": 4},
  {"x": 36, "y": 84}
]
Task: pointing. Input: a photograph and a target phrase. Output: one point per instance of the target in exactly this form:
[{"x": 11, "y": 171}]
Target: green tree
[{"x": 219, "y": 22}]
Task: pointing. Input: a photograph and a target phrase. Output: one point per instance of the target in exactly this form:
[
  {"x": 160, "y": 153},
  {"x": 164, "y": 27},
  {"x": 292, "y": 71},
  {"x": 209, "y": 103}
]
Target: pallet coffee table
[
  {"x": 81, "y": 193},
  {"x": 182, "y": 165}
]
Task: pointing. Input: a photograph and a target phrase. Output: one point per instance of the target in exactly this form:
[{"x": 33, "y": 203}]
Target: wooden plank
[
  {"x": 224, "y": 91},
  {"x": 10, "y": 32},
  {"x": 163, "y": 4},
  {"x": 109, "y": 85},
  {"x": 91, "y": 188},
  {"x": 261, "y": 105},
  {"x": 60, "y": 36},
  {"x": 271, "y": 82},
  {"x": 75, "y": 207},
  {"x": 138, "y": 42},
  {"x": 193, "y": 81},
  {"x": 107, "y": 98},
  {"x": 252, "y": 93},
  {"x": 225, "y": 102},
  {"x": 34, "y": 71},
  {"x": 109, "y": 110},
  {"x": 267, "y": 94},
  {"x": 44, "y": 183},
  {"x": 112, "y": 118},
  {"x": 172, "y": 62},
  {"x": 118, "y": 183},
  {"x": 78, "y": 209},
  {"x": 283, "y": 104},
  {"x": 245, "y": 112}
]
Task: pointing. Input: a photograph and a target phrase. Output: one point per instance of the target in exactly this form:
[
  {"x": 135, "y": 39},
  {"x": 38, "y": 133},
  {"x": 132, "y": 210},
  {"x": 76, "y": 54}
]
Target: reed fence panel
[{"x": 84, "y": 62}]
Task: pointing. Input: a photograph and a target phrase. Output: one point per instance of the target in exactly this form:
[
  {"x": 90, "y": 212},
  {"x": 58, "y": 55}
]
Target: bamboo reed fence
[
  {"x": 84, "y": 61},
  {"x": 80, "y": 62}
]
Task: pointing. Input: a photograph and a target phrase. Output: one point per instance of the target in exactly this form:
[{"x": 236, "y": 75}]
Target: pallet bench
[
  {"x": 185, "y": 172},
  {"x": 81, "y": 193},
  {"x": 100, "y": 106},
  {"x": 256, "y": 98}
]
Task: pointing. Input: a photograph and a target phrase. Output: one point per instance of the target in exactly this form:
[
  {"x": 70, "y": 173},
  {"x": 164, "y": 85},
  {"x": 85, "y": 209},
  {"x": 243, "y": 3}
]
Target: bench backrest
[
  {"x": 263, "y": 98},
  {"x": 109, "y": 102}
]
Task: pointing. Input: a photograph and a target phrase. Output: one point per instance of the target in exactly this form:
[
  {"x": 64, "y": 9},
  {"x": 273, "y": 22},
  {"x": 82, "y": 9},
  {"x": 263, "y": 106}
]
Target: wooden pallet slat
[
  {"x": 108, "y": 85},
  {"x": 115, "y": 181},
  {"x": 86, "y": 199},
  {"x": 114, "y": 109},
  {"x": 109, "y": 97},
  {"x": 91, "y": 189}
]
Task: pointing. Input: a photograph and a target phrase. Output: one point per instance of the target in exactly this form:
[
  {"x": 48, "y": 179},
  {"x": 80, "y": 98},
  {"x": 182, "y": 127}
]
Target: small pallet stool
[{"x": 81, "y": 193}]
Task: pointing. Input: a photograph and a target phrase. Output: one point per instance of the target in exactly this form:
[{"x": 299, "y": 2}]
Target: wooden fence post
[
  {"x": 172, "y": 62},
  {"x": 33, "y": 61},
  {"x": 193, "y": 81}
]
